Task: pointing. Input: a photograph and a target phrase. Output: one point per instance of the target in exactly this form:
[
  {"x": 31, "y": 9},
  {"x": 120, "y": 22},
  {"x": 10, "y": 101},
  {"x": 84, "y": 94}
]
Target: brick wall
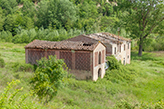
[
  {"x": 77, "y": 61},
  {"x": 50, "y": 52},
  {"x": 67, "y": 56},
  {"x": 34, "y": 55},
  {"x": 82, "y": 61}
]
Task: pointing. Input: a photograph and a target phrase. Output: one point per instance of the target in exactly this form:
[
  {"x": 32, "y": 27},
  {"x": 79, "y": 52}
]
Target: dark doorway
[{"x": 99, "y": 72}]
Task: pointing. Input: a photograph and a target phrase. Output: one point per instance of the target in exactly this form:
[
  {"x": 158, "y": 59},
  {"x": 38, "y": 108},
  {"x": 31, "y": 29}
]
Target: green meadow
[{"x": 139, "y": 85}]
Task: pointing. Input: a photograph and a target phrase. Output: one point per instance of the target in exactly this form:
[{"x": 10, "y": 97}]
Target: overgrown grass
[{"x": 146, "y": 85}]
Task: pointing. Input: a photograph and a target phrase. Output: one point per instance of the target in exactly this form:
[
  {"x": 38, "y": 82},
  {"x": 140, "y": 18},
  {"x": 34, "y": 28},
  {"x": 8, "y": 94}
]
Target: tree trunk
[{"x": 140, "y": 48}]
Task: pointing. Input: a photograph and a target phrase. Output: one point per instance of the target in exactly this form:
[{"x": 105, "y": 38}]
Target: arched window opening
[{"x": 99, "y": 58}]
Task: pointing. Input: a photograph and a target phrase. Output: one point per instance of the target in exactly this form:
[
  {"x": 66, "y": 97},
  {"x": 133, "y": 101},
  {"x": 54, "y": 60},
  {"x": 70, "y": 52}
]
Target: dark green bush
[
  {"x": 119, "y": 73},
  {"x": 2, "y": 63},
  {"x": 113, "y": 62},
  {"x": 22, "y": 67}
]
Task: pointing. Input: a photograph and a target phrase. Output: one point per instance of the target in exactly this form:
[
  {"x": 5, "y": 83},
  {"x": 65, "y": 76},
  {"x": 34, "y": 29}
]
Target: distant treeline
[
  {"x": 86, "y": 15},
  {"x": 22, "y": 21}
]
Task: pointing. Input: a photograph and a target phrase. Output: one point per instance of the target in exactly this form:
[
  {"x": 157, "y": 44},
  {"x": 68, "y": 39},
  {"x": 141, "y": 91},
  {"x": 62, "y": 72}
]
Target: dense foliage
[
  {"x": 145, "y": 17},
  {"x": 118, "y": 72},
  {"x": 22, "y": 21},
  {"x": 50, "y": 18},
  {"x": 141, "y": 89},
  {"x": 48, "y": 78},
  {"x": 8, "y": 98}
]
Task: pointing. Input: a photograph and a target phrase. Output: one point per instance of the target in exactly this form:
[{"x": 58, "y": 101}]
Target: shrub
[
  {"x": 113, "y": 62},
  {"x": 2, "y": 63},
  {"x": 6, "y": 36},
  {"x": 22, "y": 67},
  {"x": 9, "y": 100},
  {"x": 48, "y": 77},
  {"x": 119, "y": 73}
]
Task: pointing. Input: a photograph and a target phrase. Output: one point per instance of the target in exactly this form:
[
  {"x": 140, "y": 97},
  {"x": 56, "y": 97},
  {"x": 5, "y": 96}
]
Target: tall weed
[
  {"x": 2, "y": 63},
  {"x": 17, "y": 67}
]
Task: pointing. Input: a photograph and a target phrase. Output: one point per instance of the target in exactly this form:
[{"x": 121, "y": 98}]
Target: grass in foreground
[{"x": 147, "y": 86}]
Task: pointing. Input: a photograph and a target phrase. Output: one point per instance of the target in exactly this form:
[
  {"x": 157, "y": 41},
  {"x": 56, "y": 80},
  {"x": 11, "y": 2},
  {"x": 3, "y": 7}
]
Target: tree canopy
[
  {"x": 137, "y": 19},
  {"x": 144, "y": 17}
]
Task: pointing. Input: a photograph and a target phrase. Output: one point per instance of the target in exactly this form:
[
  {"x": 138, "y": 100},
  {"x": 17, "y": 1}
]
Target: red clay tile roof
[
  {"x": 93, "y": 38},
  {"x": 115, "y": 36},
  {"x": 71, "y": 45},
  {"x": 105, "y": 37}
]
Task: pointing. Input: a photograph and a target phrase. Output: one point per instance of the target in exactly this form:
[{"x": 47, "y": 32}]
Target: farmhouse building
[
  {"x": 86, "y": 60},
  {"x": 118, "y": 46}
]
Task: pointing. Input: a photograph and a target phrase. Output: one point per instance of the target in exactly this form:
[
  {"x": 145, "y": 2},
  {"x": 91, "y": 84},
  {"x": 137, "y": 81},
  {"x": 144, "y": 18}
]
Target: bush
[
  {"x": 2, "y": 63},
  {"x": 6, "y": 36},
  {"x": 48, "y": 77},
  {"x": 119, "y": 73},
  {"x": 11, "y": 99},
  {"x": 113, "y": 62},
  {"x": 22, "y": 67}
]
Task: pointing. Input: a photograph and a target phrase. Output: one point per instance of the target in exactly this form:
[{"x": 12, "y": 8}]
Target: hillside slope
[{"x": 147, "y": 86}]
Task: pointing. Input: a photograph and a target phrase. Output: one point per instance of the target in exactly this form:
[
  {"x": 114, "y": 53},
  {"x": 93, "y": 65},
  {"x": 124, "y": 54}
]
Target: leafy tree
[
  {"x": 9, "y": 6},
  {"x": 108, "y": 22},
  {"x": 145, "y": 17},
  {"x": 6, "y": 36},
  {"x": 56, "y": 13},
  {"x": 88, "y": 10},
  {"x": 28, "y": 9},
  {"x": 1, "y": 19},
  {"x": 48, "y": 78},
  {"x": 9, "y": 23},
  {"x": 12, "y": 22}
]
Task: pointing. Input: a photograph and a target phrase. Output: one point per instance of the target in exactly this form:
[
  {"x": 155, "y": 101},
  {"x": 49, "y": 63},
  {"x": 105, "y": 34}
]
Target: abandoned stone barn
[
  {"x": 118, "y": 46},
  {"x": 86, "y": 60}
]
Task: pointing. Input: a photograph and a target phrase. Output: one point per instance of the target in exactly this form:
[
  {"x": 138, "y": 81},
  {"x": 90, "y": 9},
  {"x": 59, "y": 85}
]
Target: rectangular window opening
[{"x": 114, "y": 50}]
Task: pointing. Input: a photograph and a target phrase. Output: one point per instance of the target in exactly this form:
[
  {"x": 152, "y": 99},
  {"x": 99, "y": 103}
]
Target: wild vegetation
[
  {"x": 138, "y": 85},
  {"x": 22, "y": 21}
]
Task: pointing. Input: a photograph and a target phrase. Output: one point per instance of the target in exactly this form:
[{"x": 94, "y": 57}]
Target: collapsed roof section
[
  {"x": 108, "y": 38},
  {"x": 62, "y": 45}
]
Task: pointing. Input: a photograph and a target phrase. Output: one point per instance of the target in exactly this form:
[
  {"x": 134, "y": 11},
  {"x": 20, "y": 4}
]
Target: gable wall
[{"x": 100, "y": 49}]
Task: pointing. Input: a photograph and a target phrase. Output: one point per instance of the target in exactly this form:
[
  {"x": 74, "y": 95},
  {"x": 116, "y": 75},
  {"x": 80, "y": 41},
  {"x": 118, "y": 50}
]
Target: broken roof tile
[{"x": 39, "y": 44}]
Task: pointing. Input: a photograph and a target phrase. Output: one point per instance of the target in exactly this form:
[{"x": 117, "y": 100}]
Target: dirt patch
[{"x": 158, "y": 53}]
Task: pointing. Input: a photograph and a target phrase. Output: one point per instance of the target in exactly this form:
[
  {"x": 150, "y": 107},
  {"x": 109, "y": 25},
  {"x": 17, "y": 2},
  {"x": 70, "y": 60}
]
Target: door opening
[{"x": 99, "y": 72}]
